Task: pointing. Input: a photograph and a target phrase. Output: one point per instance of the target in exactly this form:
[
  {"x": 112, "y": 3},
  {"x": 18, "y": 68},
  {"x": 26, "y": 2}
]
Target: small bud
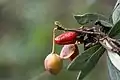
[
  {"x": 69, "y": 51},
  {"x": 66, "y": 38},
  {"x": 53, "y": 63}
]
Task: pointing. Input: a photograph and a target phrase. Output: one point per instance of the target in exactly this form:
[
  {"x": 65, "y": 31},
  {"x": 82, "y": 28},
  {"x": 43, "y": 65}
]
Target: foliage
[
  {"x": 86, "y": 61},
  {"x": 25, "y": 36},
  {"x": 114, "y": 68}
]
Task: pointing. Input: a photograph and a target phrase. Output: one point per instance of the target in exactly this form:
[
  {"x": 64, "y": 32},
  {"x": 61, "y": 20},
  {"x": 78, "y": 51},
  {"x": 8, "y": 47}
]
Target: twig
[
  {"x": 80, "y": 30},
  {"x": 101, "y": 37}
]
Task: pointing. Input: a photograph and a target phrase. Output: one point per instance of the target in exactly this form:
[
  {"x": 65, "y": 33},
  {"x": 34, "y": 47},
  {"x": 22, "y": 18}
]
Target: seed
[
  {"x": 53, "y": 63},
  {"x": 69, "y": 51},
  {"x": 66, "y": 38}
]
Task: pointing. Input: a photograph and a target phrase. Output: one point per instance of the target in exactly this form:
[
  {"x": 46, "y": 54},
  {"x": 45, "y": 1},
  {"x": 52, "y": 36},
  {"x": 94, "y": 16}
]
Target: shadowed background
[{"x": 26, "y": 36}]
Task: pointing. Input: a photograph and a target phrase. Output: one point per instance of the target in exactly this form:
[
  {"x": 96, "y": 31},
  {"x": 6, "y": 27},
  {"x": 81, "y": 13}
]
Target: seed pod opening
[
  {"x": 66, "y": 38},
  {"x": 69, "y": 51},
  {"x": 53, "y": 63}
]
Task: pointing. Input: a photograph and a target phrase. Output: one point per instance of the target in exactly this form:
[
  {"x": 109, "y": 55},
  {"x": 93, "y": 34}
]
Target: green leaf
[
  {"x": 115, "y": 30},
  {"x": 116, "y": 13},
  {"x": 91, "y": 62},
  {"x": 114, "y": 73},
  {"x": 89, "y": 18},
  {"x": 117, "y": 3},
  {"x": 79, "y": 62},
  {"x": 113, "y": 15},
  {"x": 105, "y": 23}
]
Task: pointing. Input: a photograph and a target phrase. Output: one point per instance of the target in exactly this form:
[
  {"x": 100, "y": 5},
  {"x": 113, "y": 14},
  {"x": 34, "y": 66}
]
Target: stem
[
  {"x": 53, "y": 45},
  {"x": 101, "y": 36},
  {"x": 113, "y": 47},
  {"x": 80, "y": 30},
  {"x": 115, "y": 40}
]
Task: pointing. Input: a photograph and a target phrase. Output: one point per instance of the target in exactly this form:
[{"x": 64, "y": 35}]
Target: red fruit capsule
[{"x": 66, "y": 38}]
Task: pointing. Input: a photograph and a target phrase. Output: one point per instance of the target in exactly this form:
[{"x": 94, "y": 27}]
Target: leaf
[
  {"x": 113, "y": 64},
  {"x": 114, "y": 73},
  {"x": 115, "y": 30},
  {"x": 105, "y": 23},
  {"x": 91, "y": 62},
  {"x": 114, "y": 58},
  {"x": 89, "y": 18},
  {"x": 117, "y": 3},
  {"x": 116, "y": 20},
  {"x": 111, "y": 15},
  {"x": 117, "y": 37},
  {"x": 116, "y": 13},
  {"x": 79, "y": 62},
  {"x": 78, "y": 76}
]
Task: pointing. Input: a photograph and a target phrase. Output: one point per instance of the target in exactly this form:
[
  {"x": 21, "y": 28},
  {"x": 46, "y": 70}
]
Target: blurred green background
[{"x": 26, "y": 36}]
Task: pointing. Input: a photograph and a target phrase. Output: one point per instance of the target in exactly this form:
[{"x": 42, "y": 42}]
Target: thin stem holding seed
[{"x": 53, "y": 45}]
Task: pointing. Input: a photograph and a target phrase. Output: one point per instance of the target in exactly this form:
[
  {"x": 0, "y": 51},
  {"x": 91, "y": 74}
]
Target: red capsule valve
[
  {"x": 69, "y": 51},
  {"x": 66, "y": 38}
]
